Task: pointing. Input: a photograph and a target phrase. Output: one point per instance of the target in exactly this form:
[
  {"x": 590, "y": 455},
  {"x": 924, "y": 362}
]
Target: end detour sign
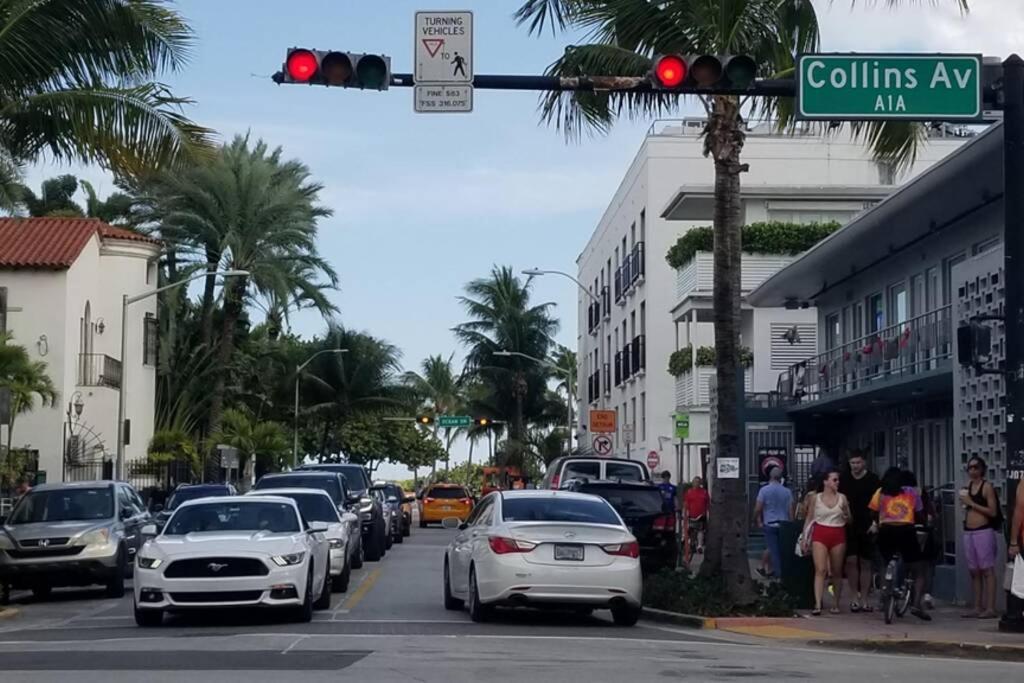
[{"x": 912, "y": 87}]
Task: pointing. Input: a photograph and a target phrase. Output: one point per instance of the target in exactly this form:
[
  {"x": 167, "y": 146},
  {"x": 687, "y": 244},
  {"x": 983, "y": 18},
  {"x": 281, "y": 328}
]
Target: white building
[
  {"x": 645, "y": 310},
  {"x": 62, "y": 281}
]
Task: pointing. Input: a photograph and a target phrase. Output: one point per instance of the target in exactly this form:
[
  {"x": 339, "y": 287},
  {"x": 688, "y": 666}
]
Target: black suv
[
  {"x": 371, "y": 514},
  {"x": 189, "y": 492},
  {"x": 642, "y": 508}
]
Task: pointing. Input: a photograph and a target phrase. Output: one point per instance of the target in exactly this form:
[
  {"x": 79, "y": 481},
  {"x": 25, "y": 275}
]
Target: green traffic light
[
  {"x": 372, "y": 72},
  {"x": 741, "y": 72}
]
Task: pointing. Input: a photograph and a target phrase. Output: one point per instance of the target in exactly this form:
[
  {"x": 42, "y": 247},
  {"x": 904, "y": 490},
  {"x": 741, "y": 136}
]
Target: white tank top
[{"x": 829, "y": 516}]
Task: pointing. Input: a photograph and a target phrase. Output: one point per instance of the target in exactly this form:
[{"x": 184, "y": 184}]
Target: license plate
[
  {"x": 570, "y": 553},
  {"x": 445, "y": 508}
]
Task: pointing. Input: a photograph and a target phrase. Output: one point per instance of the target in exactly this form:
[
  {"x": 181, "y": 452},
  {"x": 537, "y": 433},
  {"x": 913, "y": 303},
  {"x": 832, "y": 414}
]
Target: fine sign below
[{"x": 443, "y": 98}]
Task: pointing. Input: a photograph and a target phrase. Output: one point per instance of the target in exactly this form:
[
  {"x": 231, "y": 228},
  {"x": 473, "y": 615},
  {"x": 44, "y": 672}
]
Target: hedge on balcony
[
  {"x": 773, "y": 237},
  {"x": 682, "y": 360}
]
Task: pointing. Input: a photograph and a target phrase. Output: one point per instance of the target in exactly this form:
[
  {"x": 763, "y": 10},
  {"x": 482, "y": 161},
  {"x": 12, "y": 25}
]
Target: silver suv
[{"x": 72, "y": 534}]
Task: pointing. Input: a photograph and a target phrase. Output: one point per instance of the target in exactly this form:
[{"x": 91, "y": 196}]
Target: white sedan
[
  {"x": 233, "y": 551},
  {"x": 315, "y": 505},
  {"x": 543, "y": 549}
]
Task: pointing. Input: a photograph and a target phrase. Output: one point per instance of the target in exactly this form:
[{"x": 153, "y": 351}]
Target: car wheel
[
  {"x": 389, "y": 538},
  {"x": 323, "y": 600},
  {"x": 359, "y": 556},
  {"x": 374, "y": 547},
  {"x": 450, "y": 601},
  {"x": 339, "y": 584},
  {"x": 407, "y": 527},
  {"x": 399, "y": 537},
  {"x": 478, "y": 611},
  {"x": 626, "y": 616},
  {"x": 115, "y": 586},
  {"x": 41, "y": 592},
  {"x": 423, "y": 523},
  {"x": 148, "y": 617},
  {"x": 304, "y": 613}
]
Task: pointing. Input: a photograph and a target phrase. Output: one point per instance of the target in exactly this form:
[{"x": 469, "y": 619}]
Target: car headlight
[
  {"x": 149, "y": 562},
  {"x": 5, "y": 542},
  {"x": 95, "y": 537},
  {"x": 286, "y": 560},
  {"x": 336, "y": 543},
  {"x": 365, "y": 504}
]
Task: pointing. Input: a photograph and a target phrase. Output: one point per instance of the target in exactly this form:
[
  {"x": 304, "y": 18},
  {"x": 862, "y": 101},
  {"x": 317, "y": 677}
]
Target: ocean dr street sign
[
  {"x": 454, "y": 420},
  {"x": 857, "y": 86},
  {"x": 443, "y": 54}
]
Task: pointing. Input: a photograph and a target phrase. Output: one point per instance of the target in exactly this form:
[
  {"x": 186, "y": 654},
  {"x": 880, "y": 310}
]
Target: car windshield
[
  {"x": 234, "y": 516},
  {"x": 544, "y": 509},
  {"x": 193, "y": 492},
  {"x": 64, "y": 505},
  {"x": 629, "y": 501},
  {"x": 310, "y": 481},
  {"x": 314, "y": 507},
  {"x": 447, "y": 492}
]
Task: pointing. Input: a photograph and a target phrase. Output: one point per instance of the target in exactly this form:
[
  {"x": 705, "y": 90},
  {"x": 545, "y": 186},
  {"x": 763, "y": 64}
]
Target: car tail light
[
  {"x": 428, "y": 500},
  {"x": 466, "y": 501},
  {"x": 501, "y": 545},
  {"x": 554, "y": 481},
  {"x": 623, "y": 549},
  {"x": 665, "y": 523}
]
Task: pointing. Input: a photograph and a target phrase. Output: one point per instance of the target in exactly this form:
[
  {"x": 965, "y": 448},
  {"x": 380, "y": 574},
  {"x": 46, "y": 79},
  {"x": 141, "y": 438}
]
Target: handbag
[
  {"x": 807, "y": 533},
  {"x": 1017, "y": 585}
]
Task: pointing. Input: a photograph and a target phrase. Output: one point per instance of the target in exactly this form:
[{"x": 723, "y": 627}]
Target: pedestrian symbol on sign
[{"x": 460, "y": 65}]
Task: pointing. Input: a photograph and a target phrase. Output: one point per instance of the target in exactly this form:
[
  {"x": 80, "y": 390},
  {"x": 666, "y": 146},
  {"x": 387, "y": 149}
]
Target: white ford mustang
[
  {"x": 542, "y": 549},
  {"x": 235, "y": 551}
]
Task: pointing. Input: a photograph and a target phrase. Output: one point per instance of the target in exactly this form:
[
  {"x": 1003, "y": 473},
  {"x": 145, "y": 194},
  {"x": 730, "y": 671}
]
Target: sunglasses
[{"x": 974, "y": 467}]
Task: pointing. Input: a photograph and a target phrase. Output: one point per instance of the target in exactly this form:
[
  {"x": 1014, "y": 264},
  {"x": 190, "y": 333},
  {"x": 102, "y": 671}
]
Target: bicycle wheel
[
  {"x": 906, "y": 596},
  {"x": 890, "y": 608}
]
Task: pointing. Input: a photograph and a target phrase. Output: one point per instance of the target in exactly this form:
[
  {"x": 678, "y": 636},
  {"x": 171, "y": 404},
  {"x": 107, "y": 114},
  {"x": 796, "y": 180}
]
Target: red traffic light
[
  {"x": 670, "y": 71},
  {"x": 301, "y": 65}
]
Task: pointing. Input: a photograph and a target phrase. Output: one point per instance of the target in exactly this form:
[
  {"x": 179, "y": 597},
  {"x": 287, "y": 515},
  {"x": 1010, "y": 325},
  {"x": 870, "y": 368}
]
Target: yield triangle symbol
[{"x": 433, "y": 45}]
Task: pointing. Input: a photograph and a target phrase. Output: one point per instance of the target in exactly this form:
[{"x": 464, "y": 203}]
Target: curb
[
  {"x": 8, "y": 612},
  {"x": 1006, "y": 653},
  {"x": 687, "y": 620}
]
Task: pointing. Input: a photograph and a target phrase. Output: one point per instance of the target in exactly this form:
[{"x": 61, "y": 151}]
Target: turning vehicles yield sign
[
  {"x": 602, "y": 445},
  {"x": 444, "y": 48}
]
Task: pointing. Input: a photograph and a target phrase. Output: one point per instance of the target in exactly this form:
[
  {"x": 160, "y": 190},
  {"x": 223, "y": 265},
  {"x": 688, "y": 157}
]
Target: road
[{"x": 391, "y": 626}]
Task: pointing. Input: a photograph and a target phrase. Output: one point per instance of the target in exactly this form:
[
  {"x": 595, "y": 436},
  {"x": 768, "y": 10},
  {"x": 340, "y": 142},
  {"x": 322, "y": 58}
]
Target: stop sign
[{"x": 653, "y": 459}]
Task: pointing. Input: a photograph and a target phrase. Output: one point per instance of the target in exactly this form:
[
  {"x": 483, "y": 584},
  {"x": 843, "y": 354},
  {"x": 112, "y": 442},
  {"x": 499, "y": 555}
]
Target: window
[
  {"x": 643, "y": 317},
  {"x": 858, "y": 320},
  {"x": 833, "y": 332},
  {"x": 918, "y": 301},
  {"x": 150, "y": 339},
  {"x": 886, "y": 173},
  {"x": 876, "y": 314},
  {"x": 632, "y": 235},
  {"x": 632, "y": 403},
  {"x": 848, "y": 313},
  {"x": 933, "y": 288},
  {"x": 632, "y": 324},
  {"x": 624, "y": 471},
  {"x": 578, "y": 469},
  {"x": 126, "y": 502},
  {"x": 986, "y": 245},
  {"x": 234, "y": 516},
  {"x": 898, "y": 308},
  {"x": 643, "y": 224},
  {"x": 617, "y": 262},
  {"x": 947, "y": 277},
  {"x": 548, "y": 509},
  {"x": 643, "y": 417}
]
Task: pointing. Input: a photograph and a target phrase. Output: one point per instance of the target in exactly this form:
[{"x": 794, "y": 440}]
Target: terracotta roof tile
[{"x": 53, "y": 243}]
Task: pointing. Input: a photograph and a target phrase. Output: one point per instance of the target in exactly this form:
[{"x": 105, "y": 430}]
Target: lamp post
[
  {"x": 298, "y": 374},
  {"x": 125, "y": 302},
  {"x": 568, "y": 384}
]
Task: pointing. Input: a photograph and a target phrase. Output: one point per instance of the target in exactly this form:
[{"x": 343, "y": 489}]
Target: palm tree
[
  {"x": 78, "y": 84},
  {"x": 246, "y": 209},
  {"x": 24, "y": 379},
  {"x": 261, "y": 445},
  {"x": 503, "y": 319},
  {"x": 442, "y": 392},
  {"x": 627, "y": 35}
]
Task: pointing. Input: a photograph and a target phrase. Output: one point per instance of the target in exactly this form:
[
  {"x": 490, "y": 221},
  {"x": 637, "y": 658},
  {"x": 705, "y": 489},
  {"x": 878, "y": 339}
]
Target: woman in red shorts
[{"x": 828, "y": 513}]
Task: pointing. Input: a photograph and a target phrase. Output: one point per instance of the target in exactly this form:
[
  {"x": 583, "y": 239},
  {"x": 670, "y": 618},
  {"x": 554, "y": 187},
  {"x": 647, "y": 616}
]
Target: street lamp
[
  {"x": 558, "y": 369},
  {"x": 125, "y": 301},
  {"x": 298, "y": 374}
]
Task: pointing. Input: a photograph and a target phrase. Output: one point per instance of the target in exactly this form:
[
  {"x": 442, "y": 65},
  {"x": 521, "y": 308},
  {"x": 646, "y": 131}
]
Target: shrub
[
  {"x": 682, "y": 360},
  {"x": 773, "y": 237},
  {"x": 682, "y": 592}
]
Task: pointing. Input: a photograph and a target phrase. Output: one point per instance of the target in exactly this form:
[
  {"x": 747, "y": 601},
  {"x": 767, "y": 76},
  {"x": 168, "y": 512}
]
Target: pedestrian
[
  {"x": 774, "y": 506},
  {"x": 825, "y": 536},
  {"x": 898, "y": 508},
  {"x": 982, "y": 522},
  {"x": 859, "y": 485},
  {"x": 697, "y": 504},
  {"x": 669, "y": 492},
  {"x": 23, "y": 487}
]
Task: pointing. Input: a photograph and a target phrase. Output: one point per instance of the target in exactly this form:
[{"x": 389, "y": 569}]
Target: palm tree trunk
[
  {"x": 209, "y": 285},
  {"x": 233, "y": 303},
  {"x": 727, "y": 533}
]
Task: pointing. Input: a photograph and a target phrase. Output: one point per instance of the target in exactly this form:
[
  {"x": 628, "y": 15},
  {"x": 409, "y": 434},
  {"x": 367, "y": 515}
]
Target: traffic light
[
  {"x": 483, "y": 421},
  {"x": 340, "y": 69},
  {"x": 703, "y": 72},
  {"x": 425, "y": 420},
  {"x": 973, "y": 343}
]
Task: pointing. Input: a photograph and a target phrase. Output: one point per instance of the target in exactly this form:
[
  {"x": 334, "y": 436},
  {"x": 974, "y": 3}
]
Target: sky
[{"x": 424, "y": 203}]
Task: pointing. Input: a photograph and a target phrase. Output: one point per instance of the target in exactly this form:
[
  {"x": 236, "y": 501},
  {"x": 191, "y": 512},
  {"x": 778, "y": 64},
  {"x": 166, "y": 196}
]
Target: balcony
[
  {"x": 627, "y": 361},
  {"x": 638, "y": 266},
  {"x": 917, "y": 349},
  {"x": 98, "y": 370},
  {"x": 593, "y": 317},
  {"x": 638, "y": 360},
  {"x": 618, "y": 368},
  {"x": 693, "y": 386},
  {"x": 620, "y": 295},
  {"x": 594, "y": 387},
  {"x": 695, "y": 278}
]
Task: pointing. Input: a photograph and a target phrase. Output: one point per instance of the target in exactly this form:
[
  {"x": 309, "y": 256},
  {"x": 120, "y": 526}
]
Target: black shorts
[
  {"x": 859, "y": 543},
  {"x": 899, "y": 538}
]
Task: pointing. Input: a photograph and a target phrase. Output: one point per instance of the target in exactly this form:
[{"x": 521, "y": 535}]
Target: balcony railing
[
  {"x": 618, "y": 368},
  {"x": 693, "y": 387},
  {"x": 98, "y": 370},
  {"x": 896, "y": 352},
  {"x": 639, "y": 267},
  {"x": 620, "y": 294},
  {"x": 593, "y": 317},
  {"x": 638, "y": 349},
  {"x": 630, "y": 273},
  {"x": 594, "y": 387}
]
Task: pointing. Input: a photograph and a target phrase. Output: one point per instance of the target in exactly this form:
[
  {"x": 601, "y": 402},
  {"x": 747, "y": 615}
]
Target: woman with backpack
[{"x": 982, "y": 522}]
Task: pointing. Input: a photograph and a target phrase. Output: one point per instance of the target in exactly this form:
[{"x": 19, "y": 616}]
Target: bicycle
[
  {"x": 897, "y": 589},
  {"x": 694, "y": 527}
]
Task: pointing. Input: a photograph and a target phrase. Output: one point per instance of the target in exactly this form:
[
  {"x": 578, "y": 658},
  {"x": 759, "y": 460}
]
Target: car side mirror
[
  {"x": 125, "y": 513},
  {"x": 148, "y": 530},
  {"x": 317, "y": 527},
  {"x": 353, "y": 498},
  {"x": 452, "y": 523}
]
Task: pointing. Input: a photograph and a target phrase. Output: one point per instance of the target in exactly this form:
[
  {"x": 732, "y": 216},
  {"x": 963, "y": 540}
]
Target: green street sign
[
  {"x": 454, "y": 421},
  {"x": 854, "y": 86},
  {"x": 682, "y": 425}
]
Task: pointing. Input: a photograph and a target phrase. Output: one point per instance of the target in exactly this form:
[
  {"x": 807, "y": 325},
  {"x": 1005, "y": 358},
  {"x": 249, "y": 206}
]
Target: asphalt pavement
[{"x": 391, "y": 626}]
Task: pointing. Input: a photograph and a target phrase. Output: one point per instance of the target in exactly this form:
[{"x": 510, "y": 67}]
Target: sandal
[
  {"x": 834, "y": 610},
  {"x": 816, "y": 612},
  {"x": 867, "y": 608},
  {"x": 854, "y": 607}
]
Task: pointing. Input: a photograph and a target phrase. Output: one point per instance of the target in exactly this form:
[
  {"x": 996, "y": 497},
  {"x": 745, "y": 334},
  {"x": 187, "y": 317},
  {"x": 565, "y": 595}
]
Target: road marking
[
  {"x": 289, "y": 648},
  {"x": 359, "y": 593}
]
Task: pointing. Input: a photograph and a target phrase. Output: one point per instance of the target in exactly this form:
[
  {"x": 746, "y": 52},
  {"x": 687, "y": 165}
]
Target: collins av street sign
[{"x": 833, "y": 87}]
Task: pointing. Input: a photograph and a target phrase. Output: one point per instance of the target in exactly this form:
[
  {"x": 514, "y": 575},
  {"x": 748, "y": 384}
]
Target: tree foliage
[{"x": 773, "y": 237}]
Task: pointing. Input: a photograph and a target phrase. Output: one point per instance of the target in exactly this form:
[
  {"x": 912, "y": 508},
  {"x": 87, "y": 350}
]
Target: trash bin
[{"x": 797, "y": 573}]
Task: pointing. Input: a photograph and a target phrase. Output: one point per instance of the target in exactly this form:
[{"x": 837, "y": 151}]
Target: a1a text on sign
[
  {"x": 444, "y": 47},
  {"x": 602, "y": 421},
  {"x": 858, "y": 87}
]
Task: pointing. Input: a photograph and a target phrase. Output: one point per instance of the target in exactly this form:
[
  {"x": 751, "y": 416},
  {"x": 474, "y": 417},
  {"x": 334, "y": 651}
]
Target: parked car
[
  {"x": 533, "y": 548},
  {"x": 371, "y": 512},
  {"x": 389, "y": 514},
  {"x": 393, "y": 499},
  {"x": 72, "y": 534},
  {"x": 237, "y": 551},
  {"x": 343, "y": 534},
  {"x": 334, "y": 484},
  {"x": 438, "y": 501},
  {"x": 189, "y": 492},
  {"x": 408, "y": 503},
  {"x": 642, "y": 508},
  {"x": 568, "y": 467}
]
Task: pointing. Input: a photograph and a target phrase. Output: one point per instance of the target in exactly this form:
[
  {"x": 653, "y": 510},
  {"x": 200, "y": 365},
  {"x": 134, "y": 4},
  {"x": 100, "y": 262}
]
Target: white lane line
[{"x": 289, "y": 648}]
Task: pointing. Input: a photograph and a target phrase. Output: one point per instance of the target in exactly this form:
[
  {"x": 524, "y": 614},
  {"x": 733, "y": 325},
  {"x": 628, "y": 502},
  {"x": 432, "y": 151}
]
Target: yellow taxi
[{"x": 438, "y": 501}]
